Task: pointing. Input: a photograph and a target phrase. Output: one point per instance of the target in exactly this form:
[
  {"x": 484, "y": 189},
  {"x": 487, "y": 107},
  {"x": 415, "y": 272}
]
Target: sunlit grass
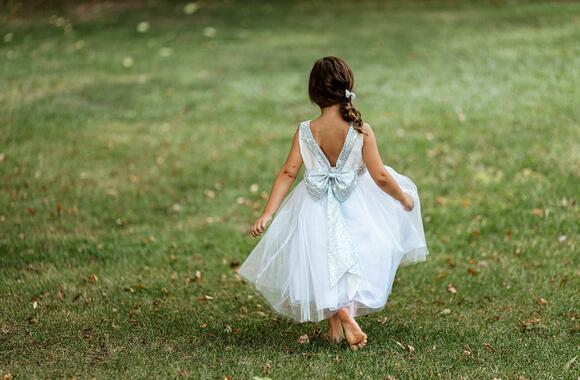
[{"x": 133, "y": 161}]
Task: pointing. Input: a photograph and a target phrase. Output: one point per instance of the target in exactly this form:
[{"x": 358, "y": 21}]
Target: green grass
[{"x": 109, "y": 171}]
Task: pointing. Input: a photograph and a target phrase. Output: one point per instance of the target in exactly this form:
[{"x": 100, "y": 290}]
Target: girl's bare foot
[
  {"x": 335, "y": 329},
  {"x": 355, "y": 337}
]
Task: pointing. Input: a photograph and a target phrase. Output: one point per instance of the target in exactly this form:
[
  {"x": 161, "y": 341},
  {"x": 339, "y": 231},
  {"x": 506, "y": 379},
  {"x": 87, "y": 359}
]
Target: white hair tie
[{"x": 349, "y": 94}]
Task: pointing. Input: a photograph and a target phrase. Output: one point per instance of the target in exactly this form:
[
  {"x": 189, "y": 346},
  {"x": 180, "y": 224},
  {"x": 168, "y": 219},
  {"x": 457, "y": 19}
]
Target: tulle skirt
[{"x": 289, "y": 264}]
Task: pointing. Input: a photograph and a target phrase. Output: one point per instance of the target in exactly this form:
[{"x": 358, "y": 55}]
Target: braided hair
[{"x": 330, "y": 77}]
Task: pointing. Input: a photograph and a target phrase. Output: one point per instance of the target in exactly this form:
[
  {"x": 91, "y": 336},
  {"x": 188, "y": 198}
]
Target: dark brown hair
[{"x": 329, "y": 78}]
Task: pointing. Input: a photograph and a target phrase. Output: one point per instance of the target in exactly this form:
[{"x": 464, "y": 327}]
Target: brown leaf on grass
[
  {"x": 58, "y": 209},
  {"x": 451, "y": 288},
  {"x": 472, "y": 271},
  {"x": 475, "y": 232},
  {"x": 235, "y": 265},
  {"x": 407, "y": 347},
  {"x": 205, "y": 297},
  {"x": 315, "y": 333},
  {"x": 440, "y": 200},
  {"x": 60, "y": 295},
  {"x": 465, "y": 203},
  {"x": 531, "y": 323},
  {"x": 198, "y": 276},
  {"x": 467, "y": 353},
  {"x": 92, "y": 279},
  {"x": 88, "y": 333},
  {"x": 508, "y": 234},
  {"x": 571, "y": 363},
  {"x": 303, "y": 339},
  {"x": 7, "y": 376},
  {"x": 450, "y": 262},
  {"x": 203, "y": 325},
  {"x": 489, "y": 347},
  {"x": 266, "y": 368},
  {"x": 542, "y": 301},
  {"x": 537, "y": 212}
]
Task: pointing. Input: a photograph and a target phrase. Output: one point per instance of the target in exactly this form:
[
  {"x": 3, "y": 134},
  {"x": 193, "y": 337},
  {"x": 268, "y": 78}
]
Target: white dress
[{"x": 337, "y": 239}]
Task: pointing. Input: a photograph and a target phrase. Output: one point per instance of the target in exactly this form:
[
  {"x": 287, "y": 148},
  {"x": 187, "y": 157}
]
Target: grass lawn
[{"x": 138, "y": 142}]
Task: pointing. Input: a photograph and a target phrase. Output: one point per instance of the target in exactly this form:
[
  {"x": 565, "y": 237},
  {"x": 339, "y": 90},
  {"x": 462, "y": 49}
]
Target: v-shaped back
[{"x": 350, "y": 155}]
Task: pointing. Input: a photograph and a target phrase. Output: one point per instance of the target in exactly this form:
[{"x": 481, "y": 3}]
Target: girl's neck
[{"x": 330, "y": 112}]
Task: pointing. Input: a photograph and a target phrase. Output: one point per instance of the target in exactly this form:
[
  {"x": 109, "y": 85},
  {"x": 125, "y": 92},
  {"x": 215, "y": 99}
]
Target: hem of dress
[{"x": 356, "y": 308}]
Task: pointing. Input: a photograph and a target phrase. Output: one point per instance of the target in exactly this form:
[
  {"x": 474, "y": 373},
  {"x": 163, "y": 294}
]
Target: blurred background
[{"x": 139, "y": 140}]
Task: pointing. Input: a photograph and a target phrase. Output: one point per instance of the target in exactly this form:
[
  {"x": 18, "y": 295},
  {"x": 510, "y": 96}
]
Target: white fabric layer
[{"x": 289, "y": 265}]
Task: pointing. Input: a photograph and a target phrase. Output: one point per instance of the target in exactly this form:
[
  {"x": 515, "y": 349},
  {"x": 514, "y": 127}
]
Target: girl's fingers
[{"x": 258, "y": 227}]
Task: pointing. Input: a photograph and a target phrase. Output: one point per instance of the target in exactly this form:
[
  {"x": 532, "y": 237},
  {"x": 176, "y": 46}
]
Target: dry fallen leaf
[
  {"x": 92, "y": 278},
  {"x": 467, "y": 352},
  {"x": 472, "y": 271},
  {"x": 303, "y": 339},
  {"x": 542, "y": 302},
  {"x": 571, "y": 363},
  {"x": 489, "y": 347},
  {"x": 451, "y": 288},
  {"x": 235, "y": 265}
]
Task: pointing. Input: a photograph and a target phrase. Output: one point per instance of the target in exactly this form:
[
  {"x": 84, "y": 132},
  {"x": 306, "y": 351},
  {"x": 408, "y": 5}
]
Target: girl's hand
[
  {"x": 407, "y": 202},
  {"x": 260, "y": 224}
]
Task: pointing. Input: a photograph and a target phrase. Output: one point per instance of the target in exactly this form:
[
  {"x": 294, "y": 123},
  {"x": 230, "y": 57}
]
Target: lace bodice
[{"x": 350, "y": 158}]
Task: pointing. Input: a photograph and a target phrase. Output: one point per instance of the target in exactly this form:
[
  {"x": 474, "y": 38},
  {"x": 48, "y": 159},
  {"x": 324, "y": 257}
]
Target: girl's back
[{"x": 330, "y": 135}]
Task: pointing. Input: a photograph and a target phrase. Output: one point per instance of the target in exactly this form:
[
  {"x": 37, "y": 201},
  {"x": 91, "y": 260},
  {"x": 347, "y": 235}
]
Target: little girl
[{"x": 333, "y": 248}]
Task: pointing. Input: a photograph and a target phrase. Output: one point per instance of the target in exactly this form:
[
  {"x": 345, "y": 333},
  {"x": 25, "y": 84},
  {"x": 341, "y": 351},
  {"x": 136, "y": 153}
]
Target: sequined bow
[
  {"x": 339, "y": 183},
  {"x": 342, "y": 257}
]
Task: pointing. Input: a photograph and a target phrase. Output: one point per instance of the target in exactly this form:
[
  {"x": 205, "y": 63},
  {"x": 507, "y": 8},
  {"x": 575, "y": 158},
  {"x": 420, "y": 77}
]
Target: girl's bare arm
[
  {"x": 282, "y": 184},
  {"x": 379, "y": 174}
]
